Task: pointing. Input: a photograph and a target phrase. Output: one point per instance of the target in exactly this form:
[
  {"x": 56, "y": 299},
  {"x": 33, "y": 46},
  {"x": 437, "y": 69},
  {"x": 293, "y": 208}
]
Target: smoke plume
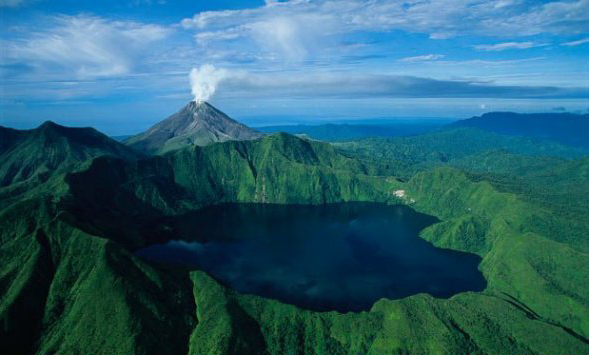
[{"x": 204, "y": 81}]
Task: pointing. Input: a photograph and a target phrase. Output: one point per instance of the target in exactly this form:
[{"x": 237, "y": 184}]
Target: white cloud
[
  {"x": 290, "y": 37},
  {"x": 282, "y": 31},
  {"x": 442, "y": 35},
  {"x": 508, "y": 45},
  {"x": 281, "y": 35},
  {"x": 297, "y": 30},
  {"x": 575, "y": 43},
  {"x": 204, "y": 37},
  {"x": 491, "y": 63},
  {"x": 422, "y": 58},
  {"x": 84, "y": 46},
  {"x": 439, "y": 18}
]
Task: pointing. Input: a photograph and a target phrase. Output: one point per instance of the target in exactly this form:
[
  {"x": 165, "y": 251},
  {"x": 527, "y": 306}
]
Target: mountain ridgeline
[
  {"x": 279, "y": 168},
  {"x": 51, "y": 148},
  {"x": 68, "y": 237},
  {"x": 565, "y": 128},
  {"x": 195, "y": 124}
]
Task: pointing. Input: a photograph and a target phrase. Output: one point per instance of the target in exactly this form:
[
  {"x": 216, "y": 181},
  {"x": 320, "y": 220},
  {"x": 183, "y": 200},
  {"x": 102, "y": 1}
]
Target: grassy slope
[
  {"x": 557, "y": 185},
  {"x": 539, "y": 172},
  {"x": 30, "y": 158},
  {"x": 454, "y": 143},
  {"x": 88, "y": 285},
  {"x": 82, "y": 294},
  {"x": 84, "y": 285},
  {"x": 409, "y": 155},
  {"x": 280, "y": 168},
  {"x": 468, "y": 323},
  {"x": 551, "y": 180},
  {"x": 519, "y": 257},
  {"x": 533, "y": 303}
]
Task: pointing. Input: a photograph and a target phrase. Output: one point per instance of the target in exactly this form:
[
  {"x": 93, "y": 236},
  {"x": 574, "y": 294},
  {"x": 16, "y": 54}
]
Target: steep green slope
[
  {"x": 91, "y": 286},
  {"x": 51, "y": 149},
  {"x": 468, "y": 323},
  {"x": 521, "y": 257},
  {"x": 279, "y": 168},
  {"x": 557, "y": 185},
  {"x": 68, "y": 278},
  {"x": 67, "y": 292}
]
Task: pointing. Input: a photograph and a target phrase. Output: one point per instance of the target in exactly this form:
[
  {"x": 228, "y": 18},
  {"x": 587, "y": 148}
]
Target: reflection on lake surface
[{"x": 332, "y": 257}]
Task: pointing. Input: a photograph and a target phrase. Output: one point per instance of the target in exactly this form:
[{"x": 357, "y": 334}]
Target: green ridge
[{"x": 69, "y": 283}]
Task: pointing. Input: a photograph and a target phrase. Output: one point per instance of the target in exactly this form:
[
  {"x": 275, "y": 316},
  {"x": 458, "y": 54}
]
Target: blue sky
[{"x": 121, "y": 66}]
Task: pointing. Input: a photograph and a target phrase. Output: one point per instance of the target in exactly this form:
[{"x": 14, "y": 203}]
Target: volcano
[{"x": 195, "y": 124}]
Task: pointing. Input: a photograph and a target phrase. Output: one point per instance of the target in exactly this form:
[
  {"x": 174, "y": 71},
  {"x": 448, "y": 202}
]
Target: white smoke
[{"x": 204, "y": 81}]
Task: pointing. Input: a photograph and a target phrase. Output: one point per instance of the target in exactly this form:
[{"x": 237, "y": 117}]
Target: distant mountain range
[
  {"x": 565, "y": 128},
  {"x": 203, "y": 124},
  {"x": 195, "y": 124},
  {"x": 349, "y": 131}
]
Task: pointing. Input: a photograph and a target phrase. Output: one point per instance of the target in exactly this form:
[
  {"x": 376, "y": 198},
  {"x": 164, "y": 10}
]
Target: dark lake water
[{"x": 339, "y": 257}]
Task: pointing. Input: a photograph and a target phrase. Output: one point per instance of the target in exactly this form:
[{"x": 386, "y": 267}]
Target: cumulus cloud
[
  {"x": 84, "y": 46},
  {"x": 422, "y": 58},
  {"x": 507, "y": 45},
  {"x": 575, "y": 43}
]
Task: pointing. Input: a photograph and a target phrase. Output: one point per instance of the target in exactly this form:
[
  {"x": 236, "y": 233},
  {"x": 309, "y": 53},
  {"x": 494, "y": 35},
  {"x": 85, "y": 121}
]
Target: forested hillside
[{"x": 69, "y": 272}]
